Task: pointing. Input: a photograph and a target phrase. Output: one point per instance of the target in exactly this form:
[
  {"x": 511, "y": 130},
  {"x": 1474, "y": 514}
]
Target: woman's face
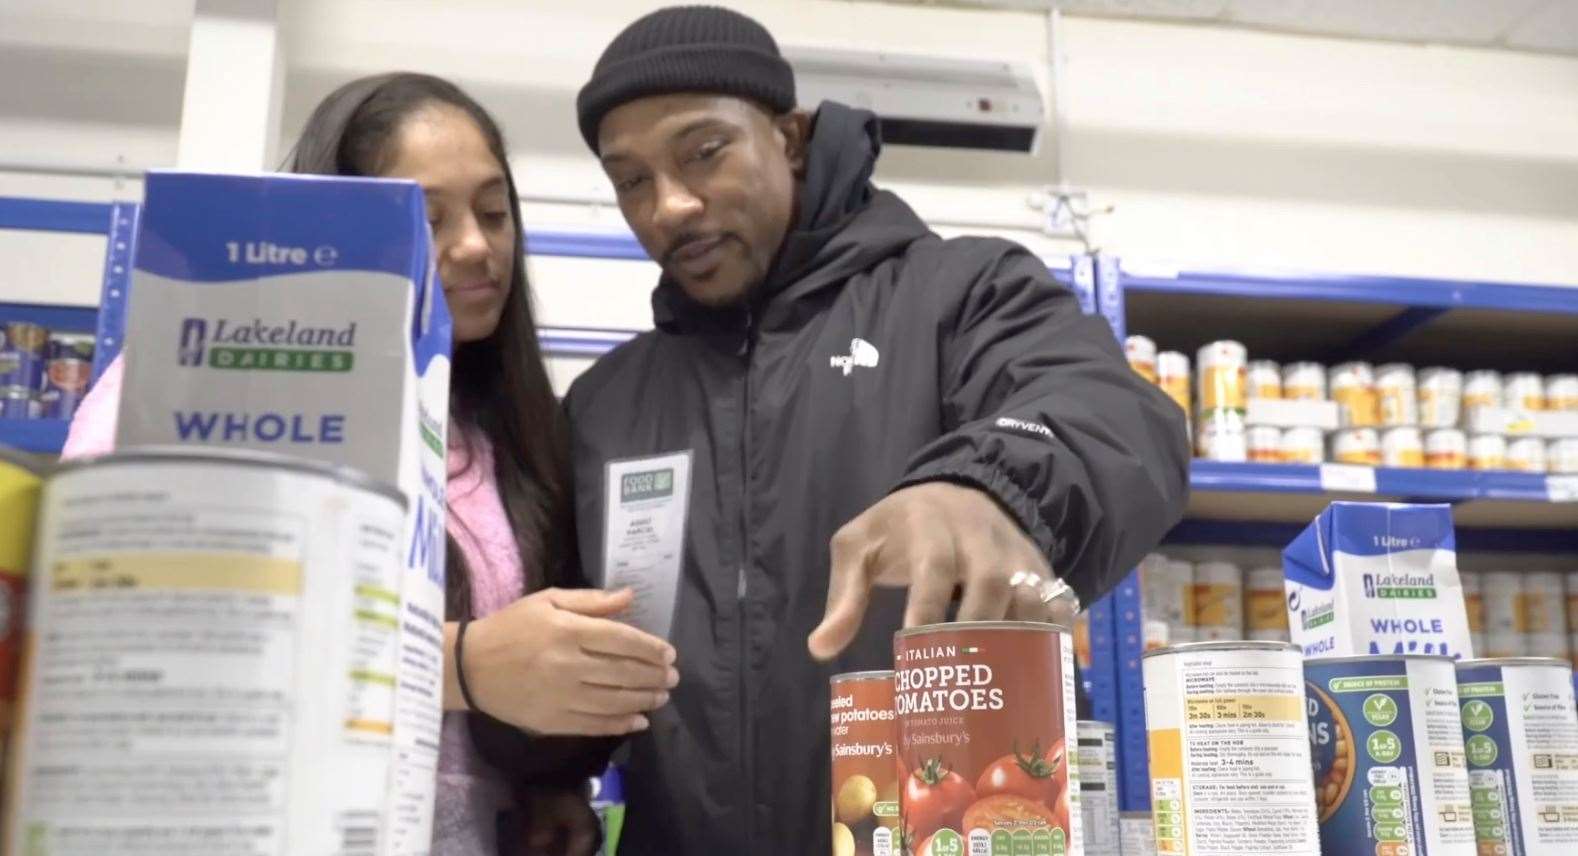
[{"x": 468, "y": 205}]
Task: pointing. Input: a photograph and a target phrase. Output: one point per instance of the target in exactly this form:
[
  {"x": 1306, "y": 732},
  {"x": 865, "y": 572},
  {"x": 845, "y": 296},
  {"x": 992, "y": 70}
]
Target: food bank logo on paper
[{"x": 257, "y": 346}]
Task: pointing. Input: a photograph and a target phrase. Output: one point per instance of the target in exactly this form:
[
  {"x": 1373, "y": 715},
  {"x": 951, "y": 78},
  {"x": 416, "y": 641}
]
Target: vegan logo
[{"x": 257, "y": 346}]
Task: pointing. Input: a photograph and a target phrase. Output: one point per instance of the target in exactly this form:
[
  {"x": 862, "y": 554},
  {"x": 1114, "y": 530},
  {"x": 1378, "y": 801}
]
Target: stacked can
[
  {"x": 1523, "y": 391},
  {"x": 1561, "y": 456},
  {"x": 1505, "y": 632},
  {"x": 1218, "y": 601},
  {"x": 1356, "y": 446},
  {"x": 1481, "y": 389},
  {"x": 1561, "y": 393},
  {"x": 1397, "y": 391},
  {"x": 1474, "y": 609},
  {"x": 1526, "y": 455},
  {"x": 1544, "y": 607},
  {"x": 1446, "y": 449},
  {"x": 1166, "y": 599},
  {"x": 1265, "y": 379},
  {"x": 1264, "y": 444},
  {"x": 22, "y": 357},
  {"x": 1222, "y": 381},
  {"x": 1097, "y": 762},
  {"x": 1402, "y": 447},
  {"x": 67, "y": 370},
  {"x": 1572, "y": 616},
  {"x": 1172, "y": 375},
  {"x": 1266, "y": 605},
  {"x": 1353, "y": 388},
  {"x": 1303, "y": 446},
  {"x": 1304, "y": 382},
  {"x": 1440, "y": 397},
  {"x": 1487, "y": 452},
  {"x": 1141, "y": 352}
]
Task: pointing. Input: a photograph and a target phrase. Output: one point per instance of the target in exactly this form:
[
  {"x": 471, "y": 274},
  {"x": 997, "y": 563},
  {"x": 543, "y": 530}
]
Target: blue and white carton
[
  {"x": 302, "y": 315},
  {"x": 1376, "y": 578}
]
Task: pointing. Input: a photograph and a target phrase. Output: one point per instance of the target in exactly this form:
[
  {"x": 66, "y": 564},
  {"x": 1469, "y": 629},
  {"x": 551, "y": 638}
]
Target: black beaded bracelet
[{"x": 460, "y": 668}]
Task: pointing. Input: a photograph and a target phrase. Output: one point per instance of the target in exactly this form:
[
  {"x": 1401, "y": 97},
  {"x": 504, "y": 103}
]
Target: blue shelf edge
[
  {"x": 65, "y": 319},
  {"x": 1414, "y": 484},
  {"x": 40, "y": 436},
  {"x": 54, "y": 215}
]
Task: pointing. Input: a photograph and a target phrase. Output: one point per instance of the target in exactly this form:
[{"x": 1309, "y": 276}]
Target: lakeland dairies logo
[
  {"x": 257, "y": 346},
  {"x": 1400, "y": 586}
]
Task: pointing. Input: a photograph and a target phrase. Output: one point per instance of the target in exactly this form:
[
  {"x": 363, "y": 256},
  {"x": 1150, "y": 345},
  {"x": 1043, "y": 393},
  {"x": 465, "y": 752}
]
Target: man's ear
[{"x": 795, "y": 127}]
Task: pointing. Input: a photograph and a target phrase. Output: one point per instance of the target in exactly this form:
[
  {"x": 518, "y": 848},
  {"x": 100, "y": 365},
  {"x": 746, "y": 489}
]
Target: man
[{"x": 846, "y": 401}]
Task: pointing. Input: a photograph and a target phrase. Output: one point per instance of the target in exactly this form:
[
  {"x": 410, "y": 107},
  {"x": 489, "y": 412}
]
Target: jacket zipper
[{"x": 747, "y": 725}]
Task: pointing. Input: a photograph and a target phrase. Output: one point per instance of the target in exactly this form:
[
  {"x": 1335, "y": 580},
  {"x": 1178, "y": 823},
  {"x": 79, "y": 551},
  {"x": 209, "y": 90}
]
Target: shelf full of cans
[
  {"x": 1393, "y": 415},
  {"x": 43, "y": 373}
]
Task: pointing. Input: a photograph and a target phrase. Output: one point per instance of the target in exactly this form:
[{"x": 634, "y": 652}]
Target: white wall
[{"x": 1215, "y": 145}]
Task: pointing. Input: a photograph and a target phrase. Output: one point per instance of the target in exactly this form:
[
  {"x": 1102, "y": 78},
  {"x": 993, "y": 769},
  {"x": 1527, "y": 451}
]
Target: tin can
[
  {"x": 19, "y": 485},
  {"x": 1398, "y": 392},
  {"x": 1520, "y": 735},
  {"x": 1353, "y": 388},
  {"x": 244, "y": 611},
  {"x": 1561, "y": 392},
  {"x": 1446, "y": 449},
  {"x": 1141, "y": 351},
  {"x": 1167, "y": 597},
  {"x": 1264, "y": 444},
  {"x": 1388, "y": 754},
  {"x": 1229, "y": 750},
  {"x": 1474, "y": 607},
  {"x": 1526, "y": 455},
  {"x": 1487, "y": 452},
  {"x": 1356, "y": 446},
  {"x": 1218, "y": 601},
  {"x": 1265, "y": 379},
  {"x": 1223, "y": 381},
  {"x": 1139, "y": 834},
  {"x": 1440, "y": 397},
  {"x": 1572, "y": 615},
  {"x": 1402, "y": 447},
  {"x": 1097, "y": 763},
  {"x": 1222, "y": 436},
  {"x": 1482, "y": 389},
  {"x": 69, "y": 346},
  {"x": 1304, "y": 381},
  {"x": 1303, "y": 446},
  {"x": 1266, "y": 605},
  {"x": 67, "y": 372},
  {"x": 1523, "y": 391},
  {"x": 1543, "y": 604},
  {"x": 1172, "y": 375},
  {"x": 22, "y": 347},
  {"x": 18, "y": 402},
  {"x": 1561, "y": 456},
  {"x": 977, "y": 704},
  {"x": 865, "y": 763},
  {"x": 1506, "y": 633}
]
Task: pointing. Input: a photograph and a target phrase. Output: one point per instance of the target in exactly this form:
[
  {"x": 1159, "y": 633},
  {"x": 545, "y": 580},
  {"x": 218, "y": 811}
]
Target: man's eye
[
  {"x": 626, "y": 185},
  {"x": 708, "y": 150}
]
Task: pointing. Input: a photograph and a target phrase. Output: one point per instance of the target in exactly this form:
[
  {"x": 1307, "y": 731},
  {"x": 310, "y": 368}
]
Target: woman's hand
[{"x": 553, "y": 662}]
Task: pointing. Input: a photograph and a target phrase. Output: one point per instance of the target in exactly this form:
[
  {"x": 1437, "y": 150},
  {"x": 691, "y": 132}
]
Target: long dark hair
[{"x": 499, "y": 384}]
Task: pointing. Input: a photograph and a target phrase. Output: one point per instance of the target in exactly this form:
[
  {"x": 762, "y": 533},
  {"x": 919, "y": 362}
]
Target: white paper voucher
[{"x": 647, "y": 501}]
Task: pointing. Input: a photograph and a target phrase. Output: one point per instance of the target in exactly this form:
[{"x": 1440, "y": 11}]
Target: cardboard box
[
  {"x": 1520, "y": 423},
  {"x": 1292, "y": 413}
]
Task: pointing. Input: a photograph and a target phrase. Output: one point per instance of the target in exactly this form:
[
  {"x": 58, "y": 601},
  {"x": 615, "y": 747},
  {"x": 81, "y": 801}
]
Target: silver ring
[{"x": 1047, "y": 589}]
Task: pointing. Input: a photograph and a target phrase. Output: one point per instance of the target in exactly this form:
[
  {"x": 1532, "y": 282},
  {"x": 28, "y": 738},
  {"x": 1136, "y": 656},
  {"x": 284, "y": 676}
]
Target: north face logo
[{"x": 861, "y": 353}]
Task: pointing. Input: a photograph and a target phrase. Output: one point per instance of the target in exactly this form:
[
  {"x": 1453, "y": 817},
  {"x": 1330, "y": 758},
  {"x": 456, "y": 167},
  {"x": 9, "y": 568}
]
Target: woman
[{"x": 537, "y": 655}]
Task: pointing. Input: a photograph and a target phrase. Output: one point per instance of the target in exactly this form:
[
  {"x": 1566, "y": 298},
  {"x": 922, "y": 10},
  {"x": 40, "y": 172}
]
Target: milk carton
[
  {"x": 1376, "y": 578},
  {"x": 302, "y": 315}
]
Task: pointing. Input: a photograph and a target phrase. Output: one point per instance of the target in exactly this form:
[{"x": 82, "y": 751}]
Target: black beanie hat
[{"x": 700, "y": 49}]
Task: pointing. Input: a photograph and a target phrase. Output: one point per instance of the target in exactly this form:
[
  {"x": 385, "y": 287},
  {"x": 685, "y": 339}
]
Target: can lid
[
  {"x": 239, "y": 458},
  {"x": 1042, "y": 626},
  {"x": 873, "y": 674},
  {"x": 1515, "y": 661},
  {"x": 1235, "y": 645},
  {"x": 22, "y": 461},
  {"x": 1375, "y": 658}
]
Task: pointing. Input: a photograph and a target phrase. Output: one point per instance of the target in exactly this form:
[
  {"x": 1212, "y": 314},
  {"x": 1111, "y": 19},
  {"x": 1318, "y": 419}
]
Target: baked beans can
[
  {"x": 1397, "y": 389},
  {"x": 1266, "y": 605},
  {"x": 1474, "y": 607},
  {"x": 1523, "y": 391},
  {"x": 1229, "y": 750},
  {"x": 1387, "y": 748},
  {"x": 1265, "y": 379},
  {"x": 1402, "y": 447},
  {"x": 1264, "y": 444},
  {"x": 1353, "y": 388},
  {"x": 1222, "y": 436},
  {"x": 1543, "y": 603},
  {"x": 986, "y": 712},
  {"x": 1167, "y": 597},
  {"x": 1482, "y": 389},
  {"x": 1139, "y": 834},
  {"x": 215, "y": 637},
  {"x": 1356, "y": 446},
  {"x": 1526, "y": 455},
  {"x": 1446, "y": 449},
  {"x": 1223, "y": 381},
  {"x": 1561, "y": 456},
  {"x": 1172, "y": 375},
  {"x": 1506, "y": 630},
  {"x": 1141, "y": 351},
  {"x": 1180, "y": 618},
  {"x": 1304, "y": 381},
  {"x": 1440, "y": 397},
  {"x": 865, "y": 745},
  {"x": 22, "y": 348},
  {"x": 19, "y": 402},
  {"x": 19, "y": 485},
  {"x": 1487, "y": 452},
  {"x": 1303, "y": 446},
  {"x": 1520, "y": 736},
  {"x": 1218, "y": 601},
  {"x": 1561, "y": 393},
  {"x": 1097, "y": 763}
]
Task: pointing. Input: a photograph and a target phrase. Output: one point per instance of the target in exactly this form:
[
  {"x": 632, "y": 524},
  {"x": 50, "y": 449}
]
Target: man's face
[{"x": 707, "y": 183}]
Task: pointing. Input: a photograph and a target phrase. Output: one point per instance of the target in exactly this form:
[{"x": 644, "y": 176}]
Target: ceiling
[{"x": 1530, "y": 25}]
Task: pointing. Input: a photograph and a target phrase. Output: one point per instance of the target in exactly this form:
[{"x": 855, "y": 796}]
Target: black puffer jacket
[{"x": 876, "y": 355}]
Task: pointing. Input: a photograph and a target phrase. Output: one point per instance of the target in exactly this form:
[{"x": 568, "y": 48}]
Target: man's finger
[
  {"x": 848, "y": 595},
  {"x": 1027, "y": 600},
  {"x": 987, "y": 596},
  {"x": 931, "y": 589}
]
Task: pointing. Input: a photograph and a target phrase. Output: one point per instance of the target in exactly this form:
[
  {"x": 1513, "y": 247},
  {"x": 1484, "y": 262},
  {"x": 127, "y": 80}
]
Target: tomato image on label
[
  {"x": 935, "y": 797},
  {"x": 1032, "y": 776}
]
